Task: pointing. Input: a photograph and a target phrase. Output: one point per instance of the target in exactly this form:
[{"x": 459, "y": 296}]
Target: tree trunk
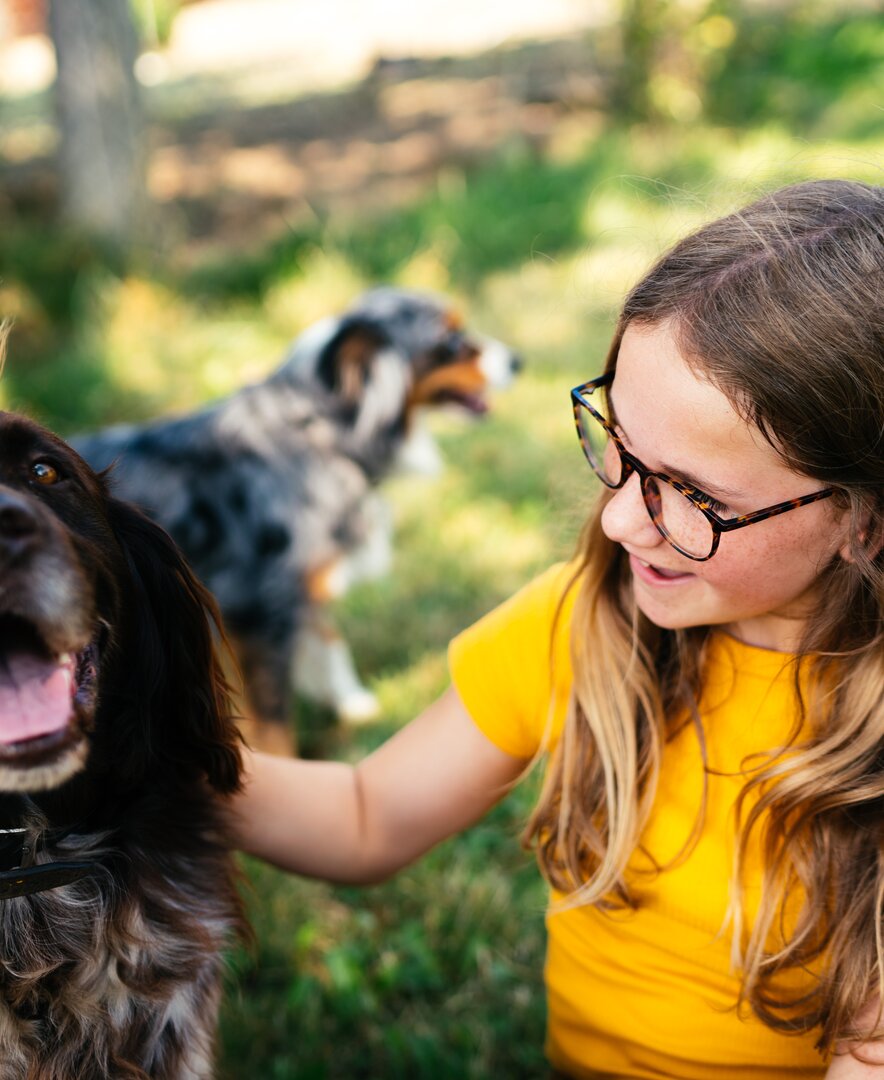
[{"x": 101, "y": 152}]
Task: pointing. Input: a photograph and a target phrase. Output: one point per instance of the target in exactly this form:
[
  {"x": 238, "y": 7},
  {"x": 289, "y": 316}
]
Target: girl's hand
[{"x": 360, "y": 824}]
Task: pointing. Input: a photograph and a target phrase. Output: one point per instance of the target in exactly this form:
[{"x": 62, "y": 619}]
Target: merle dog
[{"x": 271, "y": 493}]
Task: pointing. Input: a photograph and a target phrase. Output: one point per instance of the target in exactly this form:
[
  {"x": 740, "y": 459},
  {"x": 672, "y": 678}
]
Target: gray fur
[{"x": 275, "y": 483}]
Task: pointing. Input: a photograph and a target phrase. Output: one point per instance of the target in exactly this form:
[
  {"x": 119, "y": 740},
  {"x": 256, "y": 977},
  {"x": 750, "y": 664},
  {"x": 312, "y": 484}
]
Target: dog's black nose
[{"x": 18, "y": 525}]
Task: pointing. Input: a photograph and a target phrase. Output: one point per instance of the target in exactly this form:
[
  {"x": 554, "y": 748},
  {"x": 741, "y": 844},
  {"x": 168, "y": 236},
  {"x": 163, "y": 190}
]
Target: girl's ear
[
  {"x": 869, "y": 540},
  {"x": 846, "y": 551}
]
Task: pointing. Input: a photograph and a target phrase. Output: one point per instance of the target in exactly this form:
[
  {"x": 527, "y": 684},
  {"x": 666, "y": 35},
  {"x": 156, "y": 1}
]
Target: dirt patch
[
  {"x": 238, "y": 154},
  {"x": 241, "y": 176}
]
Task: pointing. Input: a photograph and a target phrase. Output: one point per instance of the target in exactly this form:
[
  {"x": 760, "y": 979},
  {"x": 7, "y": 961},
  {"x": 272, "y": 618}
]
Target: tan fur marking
[
  {"x": 268, "y": 737},
  {"x": 320, "y": 582},
  {"x": 464, "y": 377},
  {"x": 354, "y": 353}
]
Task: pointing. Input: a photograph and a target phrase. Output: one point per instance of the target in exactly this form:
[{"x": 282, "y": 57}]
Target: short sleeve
[{"x": 512, "y": 668}]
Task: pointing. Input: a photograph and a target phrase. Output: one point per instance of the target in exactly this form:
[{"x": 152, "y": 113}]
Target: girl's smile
[
  {"x": 657, "y": 575},
  {"x": 761, "y": 583}
]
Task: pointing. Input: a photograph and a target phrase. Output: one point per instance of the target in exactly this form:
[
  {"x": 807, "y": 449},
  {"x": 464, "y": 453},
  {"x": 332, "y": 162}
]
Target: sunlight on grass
[
  {"x": 545, "y": 308},
  {"x": 770, "y": 158},
  {"x": 324, "y": 282},
  {"x": 404, "y": 694},
  {"x": 162, "y": 349}
]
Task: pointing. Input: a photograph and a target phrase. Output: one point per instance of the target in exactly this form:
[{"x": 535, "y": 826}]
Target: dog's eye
[
  {"x": 449, "y": 350},
  {"x": 44, "y": 473}
]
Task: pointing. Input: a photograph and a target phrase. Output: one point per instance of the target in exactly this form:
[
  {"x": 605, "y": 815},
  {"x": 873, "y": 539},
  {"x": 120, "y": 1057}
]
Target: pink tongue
[{"x": 35, "y": 696}]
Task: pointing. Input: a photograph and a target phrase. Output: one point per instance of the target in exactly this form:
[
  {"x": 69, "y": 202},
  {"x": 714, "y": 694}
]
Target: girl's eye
[
  {"x": 715, "y": 506},
  {"x": 44, "y": 473}
]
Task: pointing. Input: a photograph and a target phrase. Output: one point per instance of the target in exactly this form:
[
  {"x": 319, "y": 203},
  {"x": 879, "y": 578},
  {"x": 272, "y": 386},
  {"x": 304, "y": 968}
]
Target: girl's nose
[{"x": 626, "y": 520}]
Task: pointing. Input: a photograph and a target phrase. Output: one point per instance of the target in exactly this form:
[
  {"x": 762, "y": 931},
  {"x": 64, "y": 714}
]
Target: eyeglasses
[{"x": 687, "y": 518}]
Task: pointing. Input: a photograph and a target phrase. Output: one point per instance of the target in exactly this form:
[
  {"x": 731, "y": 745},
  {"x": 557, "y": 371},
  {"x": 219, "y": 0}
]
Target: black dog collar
[
  {"x": 14, "y": 848},
  {"x": 18, "y": 880}
]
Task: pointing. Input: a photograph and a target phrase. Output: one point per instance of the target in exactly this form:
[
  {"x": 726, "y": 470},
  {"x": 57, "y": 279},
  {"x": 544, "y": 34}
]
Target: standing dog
[
  {"x": 271, "y": 492},
  {"x": 116, "y": 890}
]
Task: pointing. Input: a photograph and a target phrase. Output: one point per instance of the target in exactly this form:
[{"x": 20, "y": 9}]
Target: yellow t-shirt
[{"x": 647, "y": 993}]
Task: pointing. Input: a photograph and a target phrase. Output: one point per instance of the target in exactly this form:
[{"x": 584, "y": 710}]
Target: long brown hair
[{"x": 780, "y": 306}]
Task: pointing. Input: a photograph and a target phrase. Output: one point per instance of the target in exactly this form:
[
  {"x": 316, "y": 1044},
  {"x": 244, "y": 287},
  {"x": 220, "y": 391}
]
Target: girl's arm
[{"x": 361, "y": 823}]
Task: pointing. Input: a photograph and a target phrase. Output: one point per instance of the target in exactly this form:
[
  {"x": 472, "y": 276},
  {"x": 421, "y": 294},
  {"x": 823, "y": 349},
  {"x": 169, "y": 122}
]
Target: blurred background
[{"x": 186, "y": 186}]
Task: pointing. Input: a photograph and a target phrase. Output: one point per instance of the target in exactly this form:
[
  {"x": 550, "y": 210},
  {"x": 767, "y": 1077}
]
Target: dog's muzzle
[{"x": 48, "y": 664}]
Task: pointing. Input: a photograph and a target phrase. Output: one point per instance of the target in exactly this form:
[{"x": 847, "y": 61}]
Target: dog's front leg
[{"x": 323, "y": 670}]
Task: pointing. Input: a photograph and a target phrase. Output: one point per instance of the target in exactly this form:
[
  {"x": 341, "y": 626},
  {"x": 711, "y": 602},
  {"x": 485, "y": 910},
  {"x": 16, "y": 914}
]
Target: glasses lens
[
  {"x": 678, "y": 519},
  {"x": 598, "y": 446}
]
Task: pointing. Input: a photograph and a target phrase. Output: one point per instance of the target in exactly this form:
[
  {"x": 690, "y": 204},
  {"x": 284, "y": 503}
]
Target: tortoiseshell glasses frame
[{"x": 650, "y": 488}]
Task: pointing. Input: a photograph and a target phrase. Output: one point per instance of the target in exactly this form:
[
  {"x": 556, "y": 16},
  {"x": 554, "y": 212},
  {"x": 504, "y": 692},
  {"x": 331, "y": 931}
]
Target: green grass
[
  {"x": 438, "y": 973},
  {"x": 427, "y": 976}
]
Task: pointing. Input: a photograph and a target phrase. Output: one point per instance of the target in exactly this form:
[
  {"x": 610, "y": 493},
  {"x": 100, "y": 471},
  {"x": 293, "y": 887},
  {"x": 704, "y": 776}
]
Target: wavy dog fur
[{"x": 119, "y": 974}]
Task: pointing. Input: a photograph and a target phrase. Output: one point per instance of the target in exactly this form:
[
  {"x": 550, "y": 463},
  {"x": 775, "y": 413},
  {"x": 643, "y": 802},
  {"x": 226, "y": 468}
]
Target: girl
[{"x": 707, "y": 678}]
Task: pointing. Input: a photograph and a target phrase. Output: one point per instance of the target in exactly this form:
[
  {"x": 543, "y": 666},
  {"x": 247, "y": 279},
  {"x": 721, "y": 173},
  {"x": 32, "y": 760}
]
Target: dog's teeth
[{"x": 65, "y": 658}]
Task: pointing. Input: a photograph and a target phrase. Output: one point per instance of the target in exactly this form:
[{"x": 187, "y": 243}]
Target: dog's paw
[{"x": 358, "y": 707}]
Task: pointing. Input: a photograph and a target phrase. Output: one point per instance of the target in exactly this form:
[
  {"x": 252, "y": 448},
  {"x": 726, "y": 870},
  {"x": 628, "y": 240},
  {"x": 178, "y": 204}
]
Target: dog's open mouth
[
  {"x": 472, "y": 402},
  {"x": 46, "y": 698}
]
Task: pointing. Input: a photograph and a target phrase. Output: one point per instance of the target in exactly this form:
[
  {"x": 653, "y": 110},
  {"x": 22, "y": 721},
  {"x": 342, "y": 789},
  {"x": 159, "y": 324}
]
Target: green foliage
[
  {"x": 54, "y": 267},
  {"x": 486, "y": 221},
  {"x": 799, "y": 63},
  {"x": 153, "y": 20},
  {"x": 252, "y": 273},
  {"x": 786, "y": 63}
]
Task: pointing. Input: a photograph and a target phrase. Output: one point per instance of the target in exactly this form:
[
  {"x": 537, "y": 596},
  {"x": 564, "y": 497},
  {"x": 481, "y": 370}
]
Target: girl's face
[{"x": 761, "y": 582}]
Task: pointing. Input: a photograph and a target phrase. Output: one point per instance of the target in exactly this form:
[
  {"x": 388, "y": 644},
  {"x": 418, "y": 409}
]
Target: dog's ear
[
  {"x": 174, "y": 685},
  {"x": 365, "y": 371},
  {"x": 346, "y": 356}
]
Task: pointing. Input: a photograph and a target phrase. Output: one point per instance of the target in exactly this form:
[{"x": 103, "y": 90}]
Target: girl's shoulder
[{"x": 514, "y": 661}]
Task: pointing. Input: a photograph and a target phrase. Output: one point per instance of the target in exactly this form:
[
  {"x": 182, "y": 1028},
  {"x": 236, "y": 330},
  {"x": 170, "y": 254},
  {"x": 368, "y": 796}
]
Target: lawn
[{"x": 438, "y": 973}]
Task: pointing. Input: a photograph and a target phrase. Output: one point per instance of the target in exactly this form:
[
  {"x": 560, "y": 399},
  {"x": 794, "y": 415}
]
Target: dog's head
[
  {"x": 107, "y": 661},
  {"x": 394, "y": 353}
]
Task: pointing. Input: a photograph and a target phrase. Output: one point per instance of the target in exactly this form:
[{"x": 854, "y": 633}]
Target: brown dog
[{"x": 116, "y": 890}]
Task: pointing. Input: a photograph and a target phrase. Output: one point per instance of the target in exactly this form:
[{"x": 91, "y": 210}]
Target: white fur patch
[
  {"x": 373, "y": 558},
  {"x": 419, "y": 453},
  {"x": 44, "y": 777},
  {"x": 384, "y": 393},
  {"x": 496, "y": 363},
  {"x": 324, "y": 671}
]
